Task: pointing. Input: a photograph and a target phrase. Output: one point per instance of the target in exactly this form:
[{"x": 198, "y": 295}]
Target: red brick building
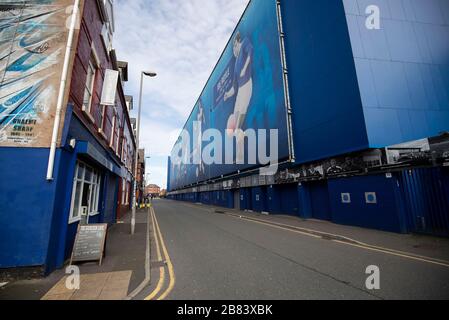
[
  {"x": 110, "y": 125},
  {"x": 153, "y": 190}
]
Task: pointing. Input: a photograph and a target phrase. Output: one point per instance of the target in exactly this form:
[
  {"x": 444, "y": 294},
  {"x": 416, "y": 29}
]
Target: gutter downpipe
[{"x": 65, "y": 70}]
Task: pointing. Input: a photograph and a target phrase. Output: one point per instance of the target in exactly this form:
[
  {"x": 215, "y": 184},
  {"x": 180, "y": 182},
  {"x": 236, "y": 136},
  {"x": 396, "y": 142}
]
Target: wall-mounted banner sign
[
  {"x": 90, "y": 243},
  {"x": 109, "y": 88}
]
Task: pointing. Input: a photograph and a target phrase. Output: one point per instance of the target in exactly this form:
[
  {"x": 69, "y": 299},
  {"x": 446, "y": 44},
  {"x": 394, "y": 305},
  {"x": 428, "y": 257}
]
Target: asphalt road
[{"x": 216, "y": 256}]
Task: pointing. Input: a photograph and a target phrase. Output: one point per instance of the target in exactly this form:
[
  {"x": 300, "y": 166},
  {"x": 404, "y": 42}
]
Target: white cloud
[{"x": 181, "y": 40}]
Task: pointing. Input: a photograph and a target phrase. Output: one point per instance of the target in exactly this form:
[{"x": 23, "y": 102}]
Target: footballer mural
[{"x": 244, "y": 92}]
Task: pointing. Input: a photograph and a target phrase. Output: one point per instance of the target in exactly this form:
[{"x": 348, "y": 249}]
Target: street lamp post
[{"x": 136, "y": 164}]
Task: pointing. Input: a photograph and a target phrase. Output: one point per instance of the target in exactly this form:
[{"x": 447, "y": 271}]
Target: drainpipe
[{"x": 65, "y": 70}]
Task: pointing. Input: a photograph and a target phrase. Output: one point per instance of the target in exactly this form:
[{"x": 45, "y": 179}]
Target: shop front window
[{"x": 86, "y": 192}]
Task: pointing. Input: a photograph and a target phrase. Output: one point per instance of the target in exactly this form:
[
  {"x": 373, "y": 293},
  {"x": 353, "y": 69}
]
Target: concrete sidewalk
[
  {"x": 420, "y": 245},
  {"x": 122, "y": 271}
]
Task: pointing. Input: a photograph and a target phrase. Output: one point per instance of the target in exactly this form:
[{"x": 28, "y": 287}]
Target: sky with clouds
[{"x": 181, "y": 40}]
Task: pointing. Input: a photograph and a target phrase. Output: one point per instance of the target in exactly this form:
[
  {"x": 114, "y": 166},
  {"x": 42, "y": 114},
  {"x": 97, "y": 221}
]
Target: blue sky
[{"x": 181, "y": 40}]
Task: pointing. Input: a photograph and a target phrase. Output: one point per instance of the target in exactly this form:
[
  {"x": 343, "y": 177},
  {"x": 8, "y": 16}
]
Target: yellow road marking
[
  {"x": 358, "y": 244},
  {"x": 159, "y": 257},
  {"x": 355, "y": 243},
  {"x": 158, "y": 248},
  {"x": 171, "y": 271},
  {"x": 403, "y": 255},
  {"x": 159, "y": 284},
  {"x": 277, "y": 227}
]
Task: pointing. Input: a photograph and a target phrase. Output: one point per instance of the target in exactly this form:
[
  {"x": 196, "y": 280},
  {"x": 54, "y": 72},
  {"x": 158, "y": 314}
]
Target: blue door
[
  {"x": 289, "y": 203},
  {"x": 319, "y": 196}
]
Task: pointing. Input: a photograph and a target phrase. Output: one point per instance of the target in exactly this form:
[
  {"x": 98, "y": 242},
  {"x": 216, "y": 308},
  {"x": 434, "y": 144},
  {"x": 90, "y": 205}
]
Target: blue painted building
[
  {"x": 366, "y": 98},
  {"x": 91, "y": 179}
]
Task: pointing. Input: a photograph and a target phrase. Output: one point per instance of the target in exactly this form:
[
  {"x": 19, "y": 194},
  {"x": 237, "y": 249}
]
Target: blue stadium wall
[
  {"x": 412, "y": 201},
  {"x": 353, "y": 89},
  {"x": 327, "y": 114},
  {"x": 402, "y": 69}
]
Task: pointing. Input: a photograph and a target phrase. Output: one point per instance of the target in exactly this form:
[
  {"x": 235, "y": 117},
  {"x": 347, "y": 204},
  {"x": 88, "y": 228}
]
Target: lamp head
[{"x": 150, "y": 74}]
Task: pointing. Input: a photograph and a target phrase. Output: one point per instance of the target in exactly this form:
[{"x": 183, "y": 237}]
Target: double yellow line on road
[
  {"x": 348, "y": 242},
  {"x": 161, "y": 256}
]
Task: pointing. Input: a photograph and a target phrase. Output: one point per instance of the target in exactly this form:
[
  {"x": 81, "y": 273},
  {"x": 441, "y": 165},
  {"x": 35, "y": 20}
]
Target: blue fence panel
[
  {"x": 426, "y": 199},
  {"x": 259, "y": 199},
  {"x": 319, "y": 197},
  {"x": 273, "y": 200},
  {"x": 289, "y": 199},
  {"x": 367, "y": 201}
]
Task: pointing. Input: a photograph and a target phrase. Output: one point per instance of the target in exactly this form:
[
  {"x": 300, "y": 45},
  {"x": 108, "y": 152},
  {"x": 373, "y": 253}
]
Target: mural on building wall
[
  {"x": 33, "y": 36},
  {"x": 245, "y": 92}
]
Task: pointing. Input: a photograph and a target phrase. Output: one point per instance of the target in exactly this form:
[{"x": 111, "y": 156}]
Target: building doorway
[
  {"x": 237, "y": 199},
  {"x": 85, "y": 194}
]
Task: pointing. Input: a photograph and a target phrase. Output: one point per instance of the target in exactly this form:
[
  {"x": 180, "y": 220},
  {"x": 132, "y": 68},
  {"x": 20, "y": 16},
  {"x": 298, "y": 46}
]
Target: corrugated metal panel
[{"x": 426, "y": 197}]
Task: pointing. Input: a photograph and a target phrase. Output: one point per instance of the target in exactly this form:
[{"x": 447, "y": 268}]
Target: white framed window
[
  {"x": 77, "y": 190},
  {"x": 124, "y": 152},
  {"x": 89, "y": 86},
  {"x": 123, "y": 190},
  {"x": 107, "y": 32},
  {"x": 102, "y": 125},
  {"x": 109, "y": 6},
  {"x": 106, "y": 36},
  {"x": 102, "y": 117},
  {"x": 123, "y": 149},
  {"x": 85, "y": 192},
  {"x": 117, "y": 136},
  {"x": 127, "y": 193},
  {"x": 114, "y": 124},
  {"x": 95, "y": 187}
]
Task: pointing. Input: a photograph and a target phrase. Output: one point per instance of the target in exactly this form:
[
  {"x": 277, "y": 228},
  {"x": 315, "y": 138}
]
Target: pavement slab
[
  {"x": 122, "y": 271},
  {"x": 98, "y": 286}
]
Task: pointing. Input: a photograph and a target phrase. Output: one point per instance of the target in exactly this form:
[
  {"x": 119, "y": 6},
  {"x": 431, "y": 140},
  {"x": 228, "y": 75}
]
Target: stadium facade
[{"x": 361, "y": 109}]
